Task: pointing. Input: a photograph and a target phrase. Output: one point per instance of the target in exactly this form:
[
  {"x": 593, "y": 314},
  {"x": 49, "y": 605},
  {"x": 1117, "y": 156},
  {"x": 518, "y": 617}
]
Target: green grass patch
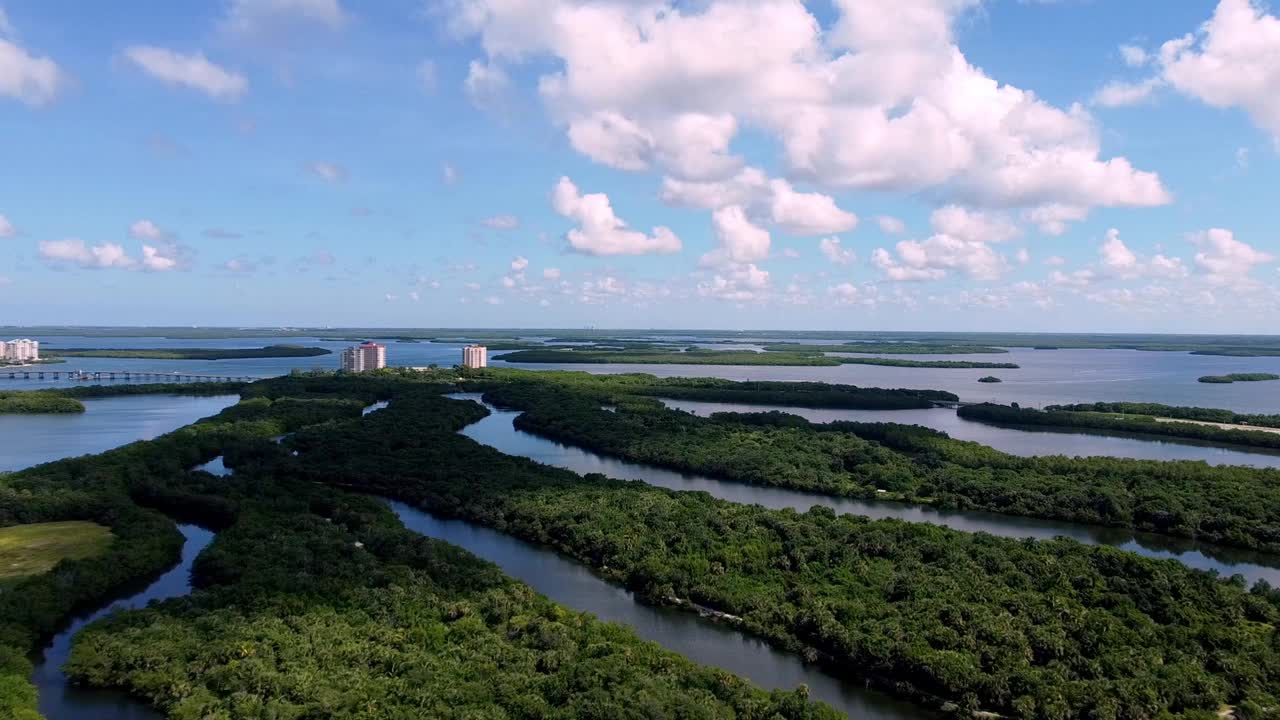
[{"x": 27, "y": 550}]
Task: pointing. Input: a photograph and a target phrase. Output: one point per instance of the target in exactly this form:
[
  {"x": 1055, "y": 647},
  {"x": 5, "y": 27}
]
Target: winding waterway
[
  {"x": 59, "y": 699},
  {"x": 1025, "y": 443},
  {"x": 698, "y": 639},
  {"x": 498, "y": 431}
]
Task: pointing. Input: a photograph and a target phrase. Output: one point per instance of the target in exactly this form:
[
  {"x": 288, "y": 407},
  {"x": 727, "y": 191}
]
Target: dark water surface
[
  {"x": 106, "y": 423},
  {"x": 699, "y": 639},
  {"x": 498, "y": 431},
  {"x": 1016, "y": 441},
  {"x": 59, "y": 700}
]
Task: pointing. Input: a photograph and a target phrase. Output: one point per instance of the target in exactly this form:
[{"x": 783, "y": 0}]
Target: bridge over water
[{"x": 100, "y": 375}]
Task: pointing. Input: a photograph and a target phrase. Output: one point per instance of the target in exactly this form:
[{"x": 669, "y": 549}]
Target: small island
[
  {"x": 270, "y": 351},
  {"x": 38, "y": 402},
  {"x": 989, "y": 379},
  {"x": 1237, "y": 377}
]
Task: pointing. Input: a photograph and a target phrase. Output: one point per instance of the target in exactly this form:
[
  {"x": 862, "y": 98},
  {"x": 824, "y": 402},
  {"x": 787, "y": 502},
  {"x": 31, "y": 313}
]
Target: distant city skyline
[{"x": 625, "y": 164}]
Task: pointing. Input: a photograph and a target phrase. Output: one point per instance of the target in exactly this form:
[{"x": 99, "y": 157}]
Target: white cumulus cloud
[
  {"x": 32, "y": 80},
  {"x": 190, "y": 71},
  {"x": 740, "y": 241},
  {"x": 600, "y": 231}
]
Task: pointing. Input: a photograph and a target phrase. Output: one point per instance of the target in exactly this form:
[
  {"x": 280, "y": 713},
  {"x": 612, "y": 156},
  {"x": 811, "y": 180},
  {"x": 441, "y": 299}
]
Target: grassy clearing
[{"x": 33, "y": 549}]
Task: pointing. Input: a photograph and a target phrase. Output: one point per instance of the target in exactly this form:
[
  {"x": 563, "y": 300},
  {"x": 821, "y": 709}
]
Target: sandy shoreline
[{"x": 1224, "y": 426}]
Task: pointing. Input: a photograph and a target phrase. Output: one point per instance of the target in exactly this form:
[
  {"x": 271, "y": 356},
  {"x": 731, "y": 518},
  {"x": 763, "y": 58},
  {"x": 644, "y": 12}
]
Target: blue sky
[{"x": 1006, "y": 165}]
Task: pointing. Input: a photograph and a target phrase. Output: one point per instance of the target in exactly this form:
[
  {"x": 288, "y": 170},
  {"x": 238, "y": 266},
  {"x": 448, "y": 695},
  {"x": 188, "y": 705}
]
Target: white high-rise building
[
  {"x": 475, "y": 356},
  {"x": 20, "y": 350},
  {"x": 366, "y": 356}
]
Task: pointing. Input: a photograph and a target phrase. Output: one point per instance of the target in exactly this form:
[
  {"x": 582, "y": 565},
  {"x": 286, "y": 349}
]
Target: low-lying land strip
[
  {"x": 1165, "y": 427},
  {"x": 764, "y": 392},
  {"x": 1223, "y": 504},
  {"x": 1174, "y": 412},
  {"x": 1238, "y": 377},
  {"x": 37, "y": 402},
  {"x": 888, "y": 348},
  {"x": 35, "y": 548},
  {"x": 699, "y": 356},
  {"x": 270, "y": 351},
  {"x": 67, "y": 400}
]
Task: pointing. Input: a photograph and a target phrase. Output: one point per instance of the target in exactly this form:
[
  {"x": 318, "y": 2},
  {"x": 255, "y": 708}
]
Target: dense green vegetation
[
  {"x": 1005, "y": 415},
  {"x": 348, "y": 615},
  {"x": 270, "y": 351},
  {"x": 37, "y": 402},
  {"x": 35, "y": 548},
  {"x": 887, "y": 348},
  {"x": 1028, "y": 629},
  {"x": 799, "y": 394},
  {"x": 1231, "y": 505},
  {"x": 1238, "y": 377},
  {"x": 989, "y": 379},
  {"x": 1216, "y": 415}
]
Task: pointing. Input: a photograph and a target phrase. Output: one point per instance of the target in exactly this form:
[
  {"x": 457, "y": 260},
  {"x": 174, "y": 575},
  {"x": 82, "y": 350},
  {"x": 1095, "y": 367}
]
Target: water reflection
[
  {"x": 498, "y": 431},
  {"x": 215, "y": 467}
]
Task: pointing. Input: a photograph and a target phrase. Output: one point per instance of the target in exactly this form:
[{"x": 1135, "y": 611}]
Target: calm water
[
  {"x": 498, "y": 431},
  {"x": 59, "y": 700},
  {"x": 1045, "y": 377},
  {"x": 1026, "y": 443},
  {"x": 215, "y": 467},
  {"x": 27, "y": 440},
  {"x": 700, "y": 640}
]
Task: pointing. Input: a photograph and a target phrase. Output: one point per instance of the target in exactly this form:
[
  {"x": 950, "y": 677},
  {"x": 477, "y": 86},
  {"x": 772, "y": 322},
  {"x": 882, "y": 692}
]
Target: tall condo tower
[
  {"x": 366, "y": 356},
  {"x": 475, "y": 356}
]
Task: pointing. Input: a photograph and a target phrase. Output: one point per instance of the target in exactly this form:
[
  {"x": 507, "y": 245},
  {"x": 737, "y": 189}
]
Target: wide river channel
[
  {"x": 1025, "y": 443},
  {"x": 498, "y": 431}
]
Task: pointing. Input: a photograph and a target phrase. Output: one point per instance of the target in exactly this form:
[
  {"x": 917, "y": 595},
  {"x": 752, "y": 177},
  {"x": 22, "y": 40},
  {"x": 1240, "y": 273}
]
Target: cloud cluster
[
  {"x": 600, "y": 231},
  {"x": 1226, "y": 260},
  {"x": 1232, "y": 61},
  {"x": 874, "y": 101},
  {"x": 75, "y": 252},
  {"x": 772, "y": 201},
  {"x": 161, "y": 252},
  {"x": 961, "y": 242}
]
